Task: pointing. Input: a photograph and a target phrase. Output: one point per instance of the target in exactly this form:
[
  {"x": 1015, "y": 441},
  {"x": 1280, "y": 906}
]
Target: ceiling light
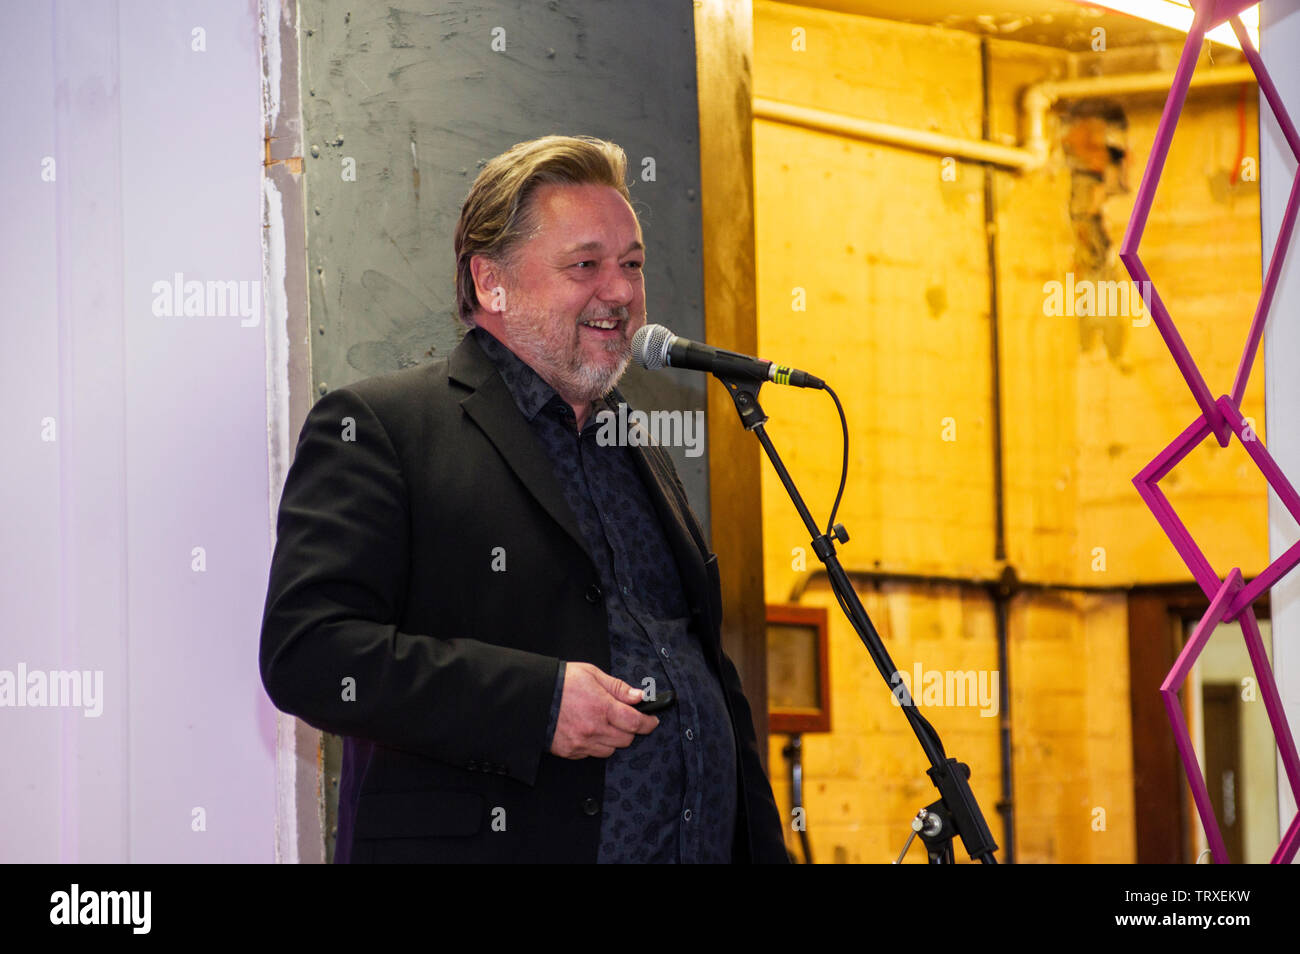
[{"x": 1178, "y": 15}]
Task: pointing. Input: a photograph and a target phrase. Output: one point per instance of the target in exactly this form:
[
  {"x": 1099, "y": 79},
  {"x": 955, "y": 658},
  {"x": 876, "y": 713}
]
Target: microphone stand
[{"x": 956, "y": 812}]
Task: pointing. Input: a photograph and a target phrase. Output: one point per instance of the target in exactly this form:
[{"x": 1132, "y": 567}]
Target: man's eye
[{"x": 589, "y": 263}]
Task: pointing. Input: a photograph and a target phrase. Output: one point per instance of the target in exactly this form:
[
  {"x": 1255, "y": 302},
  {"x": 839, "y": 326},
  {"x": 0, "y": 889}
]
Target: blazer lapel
[
  {"x": 492, "y": 408},
  {"x": 688, "y": 546},
  {"x": 490, "y": 405}
]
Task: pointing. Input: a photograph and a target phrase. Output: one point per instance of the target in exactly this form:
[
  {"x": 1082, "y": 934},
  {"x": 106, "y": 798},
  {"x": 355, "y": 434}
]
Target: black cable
[
  {"x": 844, "y": 468},
  {"x": 830, "y": 524}
]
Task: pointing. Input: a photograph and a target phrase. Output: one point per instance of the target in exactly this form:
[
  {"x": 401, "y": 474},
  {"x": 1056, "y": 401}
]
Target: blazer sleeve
[
  {"x": 767, "y": 836},
  {"x": 331, "y": 649}
]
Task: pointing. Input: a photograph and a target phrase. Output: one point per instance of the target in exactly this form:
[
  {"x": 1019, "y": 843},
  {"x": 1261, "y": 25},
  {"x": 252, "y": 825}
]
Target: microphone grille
[{"x": 650, "y": 346}]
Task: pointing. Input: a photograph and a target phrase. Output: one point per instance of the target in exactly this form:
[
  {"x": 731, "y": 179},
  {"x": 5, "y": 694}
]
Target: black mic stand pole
[{"x": 956, "y": 811}]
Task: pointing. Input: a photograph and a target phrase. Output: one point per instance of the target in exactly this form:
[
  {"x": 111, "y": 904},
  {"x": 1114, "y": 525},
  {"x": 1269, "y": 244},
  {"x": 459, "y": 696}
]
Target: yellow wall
[{"x": 892, "y": 261}]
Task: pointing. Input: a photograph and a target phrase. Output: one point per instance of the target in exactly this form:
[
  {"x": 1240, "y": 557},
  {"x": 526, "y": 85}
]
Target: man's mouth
[{"x": 602, "y": 324}]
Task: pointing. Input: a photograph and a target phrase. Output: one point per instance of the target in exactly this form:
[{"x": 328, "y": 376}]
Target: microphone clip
[{"x": 744, "y": 394}]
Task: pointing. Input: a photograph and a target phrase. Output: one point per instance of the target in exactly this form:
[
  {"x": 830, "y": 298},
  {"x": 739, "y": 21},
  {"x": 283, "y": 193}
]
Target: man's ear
[{"x": 489, "y": 288}]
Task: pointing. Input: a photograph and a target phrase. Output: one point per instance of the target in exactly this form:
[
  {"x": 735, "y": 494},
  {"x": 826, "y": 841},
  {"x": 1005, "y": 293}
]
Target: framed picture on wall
[{"x": 798, "y": 676}]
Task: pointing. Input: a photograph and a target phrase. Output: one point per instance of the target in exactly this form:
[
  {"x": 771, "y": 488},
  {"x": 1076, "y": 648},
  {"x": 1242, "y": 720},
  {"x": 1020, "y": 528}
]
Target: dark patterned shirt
[{"x": 670, "y": 796}]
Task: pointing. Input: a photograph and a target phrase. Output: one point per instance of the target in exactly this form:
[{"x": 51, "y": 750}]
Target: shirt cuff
[{"x": 555, "y": 706}]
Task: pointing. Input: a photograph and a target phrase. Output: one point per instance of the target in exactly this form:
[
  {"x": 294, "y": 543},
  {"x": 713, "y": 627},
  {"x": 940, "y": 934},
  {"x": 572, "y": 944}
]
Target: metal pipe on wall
[{"x": 1037, "y": 100}]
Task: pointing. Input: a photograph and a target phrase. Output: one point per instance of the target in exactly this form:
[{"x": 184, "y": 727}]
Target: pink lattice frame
[{"x": 1230, "y": 598}]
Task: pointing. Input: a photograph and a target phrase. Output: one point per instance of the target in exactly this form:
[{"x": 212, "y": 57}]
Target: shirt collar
[{"x": 530, "y": 392}]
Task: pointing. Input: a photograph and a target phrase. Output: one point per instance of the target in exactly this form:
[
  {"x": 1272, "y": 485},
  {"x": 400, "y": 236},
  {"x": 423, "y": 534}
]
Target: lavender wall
[
  {"x": 1279, "y": 37},
  {"x": 136, "y": 522}
]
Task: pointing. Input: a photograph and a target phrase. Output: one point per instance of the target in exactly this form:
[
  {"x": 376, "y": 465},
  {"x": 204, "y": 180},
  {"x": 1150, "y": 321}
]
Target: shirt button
[
  {"x": 686, "y": 815},
  {"x": 590, "y": 806},
  {"x": 663, "y": 651},
  {"x": 627, "y": 590},
  {"x": 690, "y": 735},
  {"x": 593, "y": 593}
]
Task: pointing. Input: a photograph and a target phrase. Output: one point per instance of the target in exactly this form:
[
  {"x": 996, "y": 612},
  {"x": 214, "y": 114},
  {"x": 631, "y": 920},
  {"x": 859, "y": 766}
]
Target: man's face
[{"x": 576, "y": 294}]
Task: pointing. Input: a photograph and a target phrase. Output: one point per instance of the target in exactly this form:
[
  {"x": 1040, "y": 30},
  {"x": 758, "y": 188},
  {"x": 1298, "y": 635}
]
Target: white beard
[{"x": 559, "y": 362}]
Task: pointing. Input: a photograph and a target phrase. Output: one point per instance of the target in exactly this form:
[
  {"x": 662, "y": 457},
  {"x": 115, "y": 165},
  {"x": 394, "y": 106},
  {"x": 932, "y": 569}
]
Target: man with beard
[{"x": 476, "y": 593}]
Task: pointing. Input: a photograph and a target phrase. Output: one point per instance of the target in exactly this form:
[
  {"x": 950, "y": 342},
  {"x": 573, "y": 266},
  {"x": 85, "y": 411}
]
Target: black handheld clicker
[{"x": 661, "y": 701}]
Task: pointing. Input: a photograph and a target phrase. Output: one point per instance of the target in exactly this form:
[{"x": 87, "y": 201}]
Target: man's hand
[{"x": 596, "y": 714}]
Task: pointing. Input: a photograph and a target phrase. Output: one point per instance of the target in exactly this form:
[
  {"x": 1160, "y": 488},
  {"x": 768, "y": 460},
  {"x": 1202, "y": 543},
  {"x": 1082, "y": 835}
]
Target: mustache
[{"x": 621, "y": 313}]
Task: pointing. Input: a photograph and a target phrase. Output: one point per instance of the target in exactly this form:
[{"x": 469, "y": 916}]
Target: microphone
[{"x": 654, "y": 346}]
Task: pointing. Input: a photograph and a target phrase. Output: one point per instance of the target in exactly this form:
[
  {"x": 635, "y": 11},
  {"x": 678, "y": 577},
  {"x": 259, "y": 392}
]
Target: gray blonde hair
[{"x": 498, "y": 214}]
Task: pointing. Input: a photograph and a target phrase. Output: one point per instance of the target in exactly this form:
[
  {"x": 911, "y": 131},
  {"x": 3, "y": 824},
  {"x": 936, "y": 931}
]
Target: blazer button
[
  {"x": 590, "y": 806},
  {"x": 593, "y": 593}
]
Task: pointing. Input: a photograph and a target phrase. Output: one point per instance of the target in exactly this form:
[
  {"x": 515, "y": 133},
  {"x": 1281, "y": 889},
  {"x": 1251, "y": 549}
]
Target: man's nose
[{"x": 617, "y": 288}]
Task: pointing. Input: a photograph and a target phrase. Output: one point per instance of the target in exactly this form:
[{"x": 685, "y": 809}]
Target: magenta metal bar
[
  {"x": 1286, "y": 851},
  {"x": 1286, "y": 493},
  {"x": 1266, "y": 297},
  {"x": 1272, "y": 700},
  {"x": 1267, "y": 88},
  {"x": 1270, "y": 575},
  {"x": 1164, "y": 136},
  {"x": 1262, "y": 458},
  {"x": 1221, "y": 10},
  {"x": 1178, "y": 722},
  {"x": 1204, "y": 629},
  {"x": 1142, "y": 209},
  {"x": 1230, "y": 600},
  {"x": 1174, "y": 342},
  {"x": 1147, "y": 486},
  {"x": 1284, "y": 122},
  {"x": 1192, "y": 768}
]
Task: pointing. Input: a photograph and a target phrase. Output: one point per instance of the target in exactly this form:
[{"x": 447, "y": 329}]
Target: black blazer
[{"x": 386, "y": 622}]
